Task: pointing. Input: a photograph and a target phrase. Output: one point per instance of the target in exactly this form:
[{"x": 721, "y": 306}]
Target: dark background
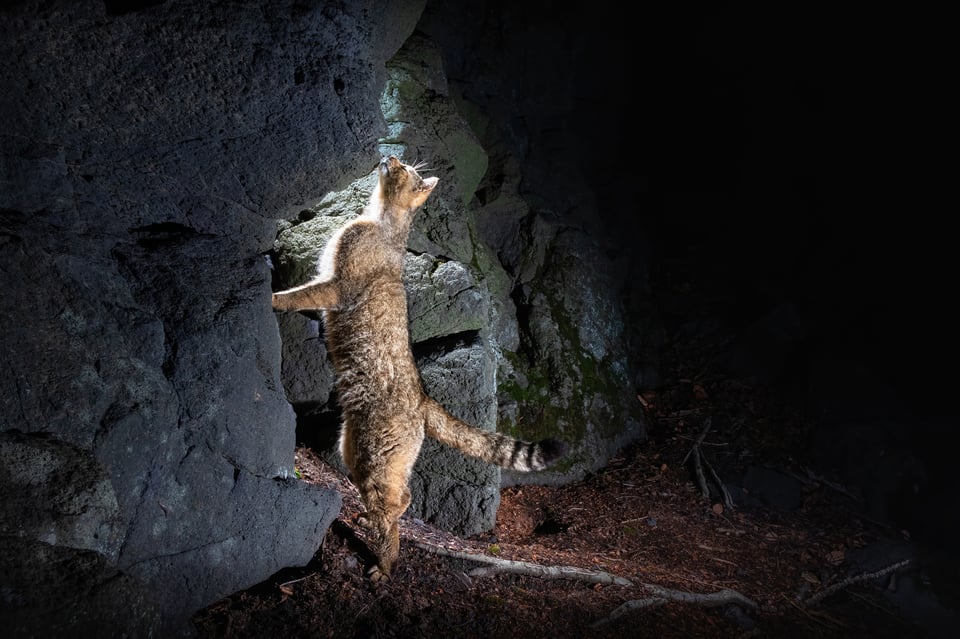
[
  {"x": 768, "y": 178},
  {"x": 772, "y": 157},
  {"x": 783, "y": 157}
]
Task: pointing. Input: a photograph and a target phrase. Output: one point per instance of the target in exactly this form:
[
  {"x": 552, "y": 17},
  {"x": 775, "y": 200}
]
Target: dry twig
[
  {"x": 707, "y": 425},
  {"x": 698, "y": 470},
  {"x": 700, "y": 460},
  {"x": 819, "y": 479},
  {"x": 724, "y": 493}
]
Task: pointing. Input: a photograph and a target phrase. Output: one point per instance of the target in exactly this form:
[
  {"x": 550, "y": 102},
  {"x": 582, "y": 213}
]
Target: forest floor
[{"x": 688, "y": 565}]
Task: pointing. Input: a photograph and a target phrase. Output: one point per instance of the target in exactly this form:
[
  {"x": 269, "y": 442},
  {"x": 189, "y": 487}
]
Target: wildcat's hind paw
[{"x": 376, "y": 575}]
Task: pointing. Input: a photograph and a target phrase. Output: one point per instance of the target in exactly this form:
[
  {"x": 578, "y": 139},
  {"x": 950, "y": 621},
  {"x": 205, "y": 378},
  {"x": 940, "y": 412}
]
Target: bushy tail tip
[{"x": 551, "y": 450}]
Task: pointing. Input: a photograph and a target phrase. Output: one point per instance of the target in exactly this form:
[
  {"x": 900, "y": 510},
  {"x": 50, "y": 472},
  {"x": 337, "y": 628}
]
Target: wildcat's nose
[{"x": 388, "y": 163}]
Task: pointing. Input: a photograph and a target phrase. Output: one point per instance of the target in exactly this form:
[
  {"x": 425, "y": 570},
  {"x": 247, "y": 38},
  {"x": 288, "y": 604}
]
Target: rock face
[
  {"x": 158, "y": 159},
  {"x": 146, "y": 156}
]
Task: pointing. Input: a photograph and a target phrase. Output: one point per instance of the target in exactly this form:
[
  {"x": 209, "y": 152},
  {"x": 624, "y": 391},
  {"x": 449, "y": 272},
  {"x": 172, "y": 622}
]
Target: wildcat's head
[{"x": 401, "y": 186}]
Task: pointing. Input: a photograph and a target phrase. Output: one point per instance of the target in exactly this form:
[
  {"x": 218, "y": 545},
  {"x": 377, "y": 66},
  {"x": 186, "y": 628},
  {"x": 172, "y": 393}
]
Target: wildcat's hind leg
[{"x": 385, "y": 504}]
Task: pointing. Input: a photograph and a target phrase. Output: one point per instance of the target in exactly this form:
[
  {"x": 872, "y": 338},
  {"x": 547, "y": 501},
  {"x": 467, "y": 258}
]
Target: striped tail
[{"x": 494, "y": 448}]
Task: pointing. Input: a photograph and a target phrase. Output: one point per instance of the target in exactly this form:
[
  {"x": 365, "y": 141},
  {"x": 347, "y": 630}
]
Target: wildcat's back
[{"x": 386, "y": 412}]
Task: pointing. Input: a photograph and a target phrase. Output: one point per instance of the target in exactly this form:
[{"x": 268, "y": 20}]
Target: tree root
[
  {"x": 813, "y": 600},
  {"x": 661, "y": 595},
  {"x": 527, "y": 568}
]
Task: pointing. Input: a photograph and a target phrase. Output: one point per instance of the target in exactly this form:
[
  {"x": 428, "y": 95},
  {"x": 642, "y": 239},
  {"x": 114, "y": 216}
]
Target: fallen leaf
[{"x": 811, "y": 578}]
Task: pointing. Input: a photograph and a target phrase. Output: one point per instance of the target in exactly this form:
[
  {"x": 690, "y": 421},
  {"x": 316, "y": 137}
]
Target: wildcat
[{"x": 386, "y": 412}]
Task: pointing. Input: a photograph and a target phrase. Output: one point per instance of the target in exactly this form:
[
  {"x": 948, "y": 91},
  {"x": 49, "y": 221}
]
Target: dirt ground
[{"x": 691, "y": 566}]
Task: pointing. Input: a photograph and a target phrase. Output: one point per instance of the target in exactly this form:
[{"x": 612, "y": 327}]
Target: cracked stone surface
[{"x": 150, "y": 149}]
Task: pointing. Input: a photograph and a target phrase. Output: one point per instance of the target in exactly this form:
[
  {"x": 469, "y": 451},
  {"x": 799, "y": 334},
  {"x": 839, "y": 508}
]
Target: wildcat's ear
[{"x": 423, "y": 192}]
